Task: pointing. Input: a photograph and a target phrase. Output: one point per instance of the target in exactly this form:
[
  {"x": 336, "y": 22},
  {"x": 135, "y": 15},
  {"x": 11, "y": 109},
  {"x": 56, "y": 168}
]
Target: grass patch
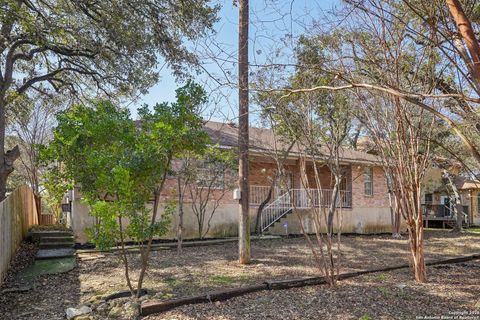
[
  {"x": 474, "y": 230},
  {"x": 385, "y": 291},
  {"x": 381, "y": 277},
  {"x": 173, "y": 283},
  {"x": 222, "y": 279},
  {"x": 49, "y": 266}
]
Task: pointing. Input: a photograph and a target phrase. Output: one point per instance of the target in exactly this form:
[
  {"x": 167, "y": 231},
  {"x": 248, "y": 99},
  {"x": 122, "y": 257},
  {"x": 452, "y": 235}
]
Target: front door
[{"x": 446, "y": 208}]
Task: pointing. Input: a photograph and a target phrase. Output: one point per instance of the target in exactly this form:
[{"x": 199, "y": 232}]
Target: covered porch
[
  {"x": 300, "y": 198},
  {"x": 293, "y": 190},
  {"x": 435, "y": 215}
]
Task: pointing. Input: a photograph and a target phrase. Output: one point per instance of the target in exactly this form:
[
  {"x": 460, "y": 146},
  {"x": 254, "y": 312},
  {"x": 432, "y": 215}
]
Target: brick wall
[
  {"x": 261, "y": 174},
  {"x": 379, "y": 199}
]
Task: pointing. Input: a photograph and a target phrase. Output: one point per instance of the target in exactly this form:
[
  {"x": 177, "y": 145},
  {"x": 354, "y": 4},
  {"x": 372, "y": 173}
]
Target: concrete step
[
  {"x": 44, "y": 254},
  {"x": 57, "y": 239},
  {"x": 56, "y": 245},
  {"x": 37, "y": 235}
]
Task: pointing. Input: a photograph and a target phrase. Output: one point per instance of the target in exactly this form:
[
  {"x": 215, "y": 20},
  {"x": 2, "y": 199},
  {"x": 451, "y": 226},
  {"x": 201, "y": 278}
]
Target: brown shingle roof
[
  {"x": 262, "y": 140},
  {"x": 465, "y": 183}
]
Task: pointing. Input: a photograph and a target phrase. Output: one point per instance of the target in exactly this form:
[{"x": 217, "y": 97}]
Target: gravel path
[{"x": 201, "y": 269}]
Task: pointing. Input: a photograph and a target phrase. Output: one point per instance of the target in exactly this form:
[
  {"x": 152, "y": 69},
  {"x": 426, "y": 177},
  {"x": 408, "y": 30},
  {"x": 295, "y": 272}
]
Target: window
[
  {"x": 368, "y": 181},
  {"x": 478, "y": 203},
  {"x": 212, "y": 175},
  {"x": 428, "y": 198}
]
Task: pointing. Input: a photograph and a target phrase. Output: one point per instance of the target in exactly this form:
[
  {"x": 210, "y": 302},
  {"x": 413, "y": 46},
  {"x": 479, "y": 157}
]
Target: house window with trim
[
  {"x": 212, "y": 175},
  {"x": 478, "y": 203},
  {"x": 368, "y": 181},
  {"x": 428, "y": 198}
]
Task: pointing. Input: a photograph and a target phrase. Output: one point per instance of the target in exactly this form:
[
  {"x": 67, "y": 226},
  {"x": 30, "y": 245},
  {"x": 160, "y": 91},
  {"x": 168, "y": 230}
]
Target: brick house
[{"x": 363, "y": 197}]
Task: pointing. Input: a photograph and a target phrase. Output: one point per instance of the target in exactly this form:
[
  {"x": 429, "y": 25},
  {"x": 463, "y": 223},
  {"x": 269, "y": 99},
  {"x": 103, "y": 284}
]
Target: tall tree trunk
[
  {"x": 6, "y": 158},
  {"x": 181, "y": 192},
  {"x": 466, "y": 31},
  {"x": 244, "y": 221}
]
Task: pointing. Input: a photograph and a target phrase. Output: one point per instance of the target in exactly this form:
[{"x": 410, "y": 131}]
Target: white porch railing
[
  {"x": 308, "y": 198},
  {"x": 259, "y": 193},
  {"x": 282, "y": 203},
  {"x": 301, "y": 197}
]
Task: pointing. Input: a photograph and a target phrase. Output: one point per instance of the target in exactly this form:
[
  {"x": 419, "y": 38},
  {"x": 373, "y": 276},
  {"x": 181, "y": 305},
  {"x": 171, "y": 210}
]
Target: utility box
[{"x": 236, "y": 194}]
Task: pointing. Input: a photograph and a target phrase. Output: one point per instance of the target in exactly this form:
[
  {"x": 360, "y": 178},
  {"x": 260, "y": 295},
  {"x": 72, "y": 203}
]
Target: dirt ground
[
  {"x": 200, "y": 269},
  {"x": 452, "y": 290}
]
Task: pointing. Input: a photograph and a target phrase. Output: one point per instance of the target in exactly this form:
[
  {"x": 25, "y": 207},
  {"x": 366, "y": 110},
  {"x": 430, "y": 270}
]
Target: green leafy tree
[
  {"x": 121, "y": 167},
  {"x": 85, "y": 48},
  {"x": 55, "y": 184}
]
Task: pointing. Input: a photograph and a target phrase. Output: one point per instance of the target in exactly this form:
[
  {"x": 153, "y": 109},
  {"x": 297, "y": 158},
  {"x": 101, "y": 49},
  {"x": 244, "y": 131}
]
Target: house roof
[
  {"x": 465, "y": 183},
  {"x": 262, "y": 140}
]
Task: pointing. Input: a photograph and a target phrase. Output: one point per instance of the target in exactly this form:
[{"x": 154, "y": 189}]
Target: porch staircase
[
  {"x": 453, "y": 223},
  {"x": 300, "y": 199},
  {"x": 56, "y": 254},
  {"x": 275, "y": 211},
  {"x": 54, "y": 244}
]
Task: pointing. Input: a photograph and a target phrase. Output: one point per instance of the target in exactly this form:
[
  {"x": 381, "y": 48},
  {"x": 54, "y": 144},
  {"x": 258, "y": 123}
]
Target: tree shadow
[{"x": 46, "y": 296}]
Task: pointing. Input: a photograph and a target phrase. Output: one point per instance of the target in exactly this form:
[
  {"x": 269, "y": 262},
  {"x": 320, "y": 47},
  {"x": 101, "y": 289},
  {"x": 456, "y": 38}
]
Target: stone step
[
  {"x": 57, "y": 239},
  {"x": 56, "y": 245},
  {"x": 37, "y": 235},
  {"x": 44, "y": 254}
]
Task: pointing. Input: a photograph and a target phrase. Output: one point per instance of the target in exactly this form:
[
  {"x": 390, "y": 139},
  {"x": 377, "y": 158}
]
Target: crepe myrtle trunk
[{"x": 7, "y": 158}]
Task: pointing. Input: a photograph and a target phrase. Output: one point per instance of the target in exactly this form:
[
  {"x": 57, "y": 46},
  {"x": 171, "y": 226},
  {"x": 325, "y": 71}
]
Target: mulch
[
  {"x": 25, "y": 256},
  {"x": 451, "y": 290},
  {"x": 203, "y": 269}
]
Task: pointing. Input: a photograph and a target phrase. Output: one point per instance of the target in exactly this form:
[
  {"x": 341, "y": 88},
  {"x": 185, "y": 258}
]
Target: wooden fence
[
  {"x": 17, "y": 214},
  {"x": 46, "y": 218}
]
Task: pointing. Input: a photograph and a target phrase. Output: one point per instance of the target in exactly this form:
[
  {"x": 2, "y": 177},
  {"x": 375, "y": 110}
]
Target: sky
[{"x": 272, "y": 24}]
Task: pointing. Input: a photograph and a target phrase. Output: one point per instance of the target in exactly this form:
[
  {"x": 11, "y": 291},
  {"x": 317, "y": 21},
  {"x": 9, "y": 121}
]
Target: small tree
[
  {"x": 403, "y": 136},
  {"x": 120, "y": 167},
  {"x": 212, "y": 179},
  {"x": 319, "y": 124},
  {"x": 184, "y": 175},
  {"x": 30, "y": 126},
  {"x": 56, "y": 185},
  {"x": 280, "y": 150}
]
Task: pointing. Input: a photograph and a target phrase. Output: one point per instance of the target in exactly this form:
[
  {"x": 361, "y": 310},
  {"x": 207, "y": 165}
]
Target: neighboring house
[
  {"x": 437, "y": 198},
  {"x": 363, "y": 197}
]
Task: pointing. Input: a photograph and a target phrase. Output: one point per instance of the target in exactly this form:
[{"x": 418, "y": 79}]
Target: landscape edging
[{"x": 156, "y": 306}]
